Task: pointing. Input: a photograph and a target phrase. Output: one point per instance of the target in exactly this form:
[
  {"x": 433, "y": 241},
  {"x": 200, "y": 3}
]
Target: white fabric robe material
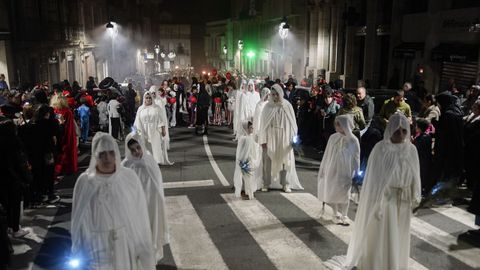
[
  {"x": 109, "y": 216},
  {"x": 151, "y": 180},
  {"x": 247, "y": 149},
  {"x": 149, "y": 122},
  {"x": 237, "y": 123},
  {"x": 339, "y": 163},
  {"x": 248, "y": 102},
  {"x": 391, "y": 189},
  {"x": 278, "y": 128}
]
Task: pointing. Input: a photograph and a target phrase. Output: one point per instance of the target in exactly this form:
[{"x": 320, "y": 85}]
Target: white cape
[
  {"x": 149, "y": 122},
  {"x": 391, "y": 188},
  {"x": 247, "y": 149},
  {"x": 151, "y": 180},
  {"x": 110, "y": 222},
  {"x": 339, "y": 163},
  {"x": 278, "y": 128}
]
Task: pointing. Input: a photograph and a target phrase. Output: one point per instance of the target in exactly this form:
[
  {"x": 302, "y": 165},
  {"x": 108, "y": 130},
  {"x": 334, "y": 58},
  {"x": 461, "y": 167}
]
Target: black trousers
[
  {"x": 11, "y": 198},
  {"x": 115, "y": 122}
]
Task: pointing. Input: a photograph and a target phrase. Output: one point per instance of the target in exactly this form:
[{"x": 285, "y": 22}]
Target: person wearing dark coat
[
  {"x": 472, "y": 146},
  {"x": 203, "y": 104},
  {"x": 423, "y": 143},
  {"x": 448, "y": 158}
]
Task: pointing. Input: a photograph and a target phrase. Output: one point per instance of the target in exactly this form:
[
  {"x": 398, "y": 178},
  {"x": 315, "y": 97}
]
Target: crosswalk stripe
[
  {"x": 280, "y": 245},
  {"x": 188, "y": 184},
  {"x": 312, "y": 207},
  {"x": 215, "y": 167},
  {"x": 191, "y": 245},
  {"x": 443, "y": 241},
  {"x": 457, "y": 214}
]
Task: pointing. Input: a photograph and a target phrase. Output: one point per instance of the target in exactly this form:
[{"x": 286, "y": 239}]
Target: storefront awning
[
  {"x": 455, "y": 52},
  {"x": 408, "y": 49}
]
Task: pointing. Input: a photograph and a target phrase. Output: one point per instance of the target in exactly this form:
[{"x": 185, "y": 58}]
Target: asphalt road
[{"x": 210, "y": 229}]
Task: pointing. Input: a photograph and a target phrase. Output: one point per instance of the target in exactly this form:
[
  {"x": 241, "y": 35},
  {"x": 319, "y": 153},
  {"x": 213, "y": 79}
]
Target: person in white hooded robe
[
  {"x": 276, "y": 134},
  {"x": 264, "y": 94},
  {"x": 248, "y": 102},
  {"x": 339, "y": 164},
  {"x": 152, "y": 124},
  {"x": 248, "y": 151},
  {"x": 391, "y": 189},
  {"x": 237, "y": 123},
  {"x": 109, "y": 213},
  {"x": 138, "y": 159}
]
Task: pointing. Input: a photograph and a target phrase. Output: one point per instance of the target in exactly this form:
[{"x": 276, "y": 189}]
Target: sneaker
[
  {"x": 264, "y": 189},
  {"x": 53, "y": 199},
  {"x": 20, "y": 233},
  {"x": 345, "y": 221},
  {"x": 287, "y": 189},
  {"x": 337, "y": 219}
]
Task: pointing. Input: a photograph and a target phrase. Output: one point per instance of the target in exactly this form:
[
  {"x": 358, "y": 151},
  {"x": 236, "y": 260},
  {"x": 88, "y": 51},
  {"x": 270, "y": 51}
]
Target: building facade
[{"x": 256, "y": 25}]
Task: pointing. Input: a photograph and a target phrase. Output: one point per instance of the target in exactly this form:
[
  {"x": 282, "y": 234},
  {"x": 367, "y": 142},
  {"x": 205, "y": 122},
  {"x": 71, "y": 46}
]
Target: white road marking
[
  {"x": 457, "y": 214},
  {"x": 313, "y": 208},
  {"x": 280, "y": 245},
  {"x": 187, "y": 184},
  {"x": 191, "y": 245},
  {"x": 215, "y": 167},
  {"x": 445, "y": 241}
]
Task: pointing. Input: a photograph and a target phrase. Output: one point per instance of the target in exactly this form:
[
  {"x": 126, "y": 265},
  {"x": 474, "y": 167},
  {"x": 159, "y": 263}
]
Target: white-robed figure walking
[
  {"x": 109, "y": 213},
  {"x": 237, "y": 122},
  {"x": 391, "y": 189},
  {"x": 264, "y": 94},
  {"x": 278, "y": 128},
  {"x": 139, "y": 160},
  {"x": 247, "y": 163},
  {"x": 248, "y": 102},
  {"x": 152, "y": 124},
  {"x": 339, "y": 164}
]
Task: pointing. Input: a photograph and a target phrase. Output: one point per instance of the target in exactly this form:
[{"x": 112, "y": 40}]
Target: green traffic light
[{"x": 250, "y": 54}]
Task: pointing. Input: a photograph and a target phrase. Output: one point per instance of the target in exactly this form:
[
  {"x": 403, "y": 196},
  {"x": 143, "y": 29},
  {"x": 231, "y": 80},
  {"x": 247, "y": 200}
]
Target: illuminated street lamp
[
  {"x": 157, "y": 51},
  {"x": 225, "y": 55},
  {"x": 112, "y": 31},
  {"x": 283, "y": 29},
  {"x": 240, "y": 48}
]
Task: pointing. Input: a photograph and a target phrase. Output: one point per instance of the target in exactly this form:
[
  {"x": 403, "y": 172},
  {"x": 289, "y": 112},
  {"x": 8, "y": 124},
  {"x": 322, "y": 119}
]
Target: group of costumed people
[
  {"x": 118, "y": 212},
  {"x": 391, "y": 188},
  {"x": 265, "y": 129}
]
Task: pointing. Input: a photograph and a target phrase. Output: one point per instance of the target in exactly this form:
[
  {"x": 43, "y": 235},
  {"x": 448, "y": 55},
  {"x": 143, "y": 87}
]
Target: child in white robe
[
  {"x": 246, "y": 163},
  {"x": 138, "y": 159},
  {"x": 339, "y": 164}
]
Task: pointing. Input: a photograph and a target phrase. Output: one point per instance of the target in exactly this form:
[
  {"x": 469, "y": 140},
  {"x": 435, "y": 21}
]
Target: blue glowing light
[
  {"x": 360, "y": 173},
  {"x": 133, "y": 129},
  {"x": 74, "y": 263},
  {"x": 296, "y": 139}
]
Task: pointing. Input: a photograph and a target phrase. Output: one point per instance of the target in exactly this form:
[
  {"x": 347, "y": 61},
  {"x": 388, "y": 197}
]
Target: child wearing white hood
[
  {"x": 339, "y": 164},
  {"x": 246, "y": 163},
  {"x": 138, "y": 159}
]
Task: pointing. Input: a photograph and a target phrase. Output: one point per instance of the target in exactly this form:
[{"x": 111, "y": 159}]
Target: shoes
[
  {"x": 345, "y": 221},
  {"x": 337, "y": 219},
  {"x": 20, "y": 233},
  {"x": 264, "y": 189},
  {"x": 287, "y": 189}
]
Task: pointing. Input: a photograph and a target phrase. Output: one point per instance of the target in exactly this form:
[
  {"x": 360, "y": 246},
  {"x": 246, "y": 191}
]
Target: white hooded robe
[
  {"x": 391, "y": 189},
  {"x": 109, "y": 216},
  {"x": 151, "y": 180},
  {"x": 339, "y": 163},
  {"x": 149, "y": 122},
  {"x": 247, "y": 149},
  {"x": 278, "y": 128}
]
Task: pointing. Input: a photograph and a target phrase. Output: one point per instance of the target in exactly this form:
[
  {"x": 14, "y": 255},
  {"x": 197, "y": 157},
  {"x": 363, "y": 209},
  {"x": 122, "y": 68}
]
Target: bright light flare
[{"x": 74, "y": 263}]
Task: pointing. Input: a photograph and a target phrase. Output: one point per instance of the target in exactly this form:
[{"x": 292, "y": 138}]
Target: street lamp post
[
  {"x": 283, "y": 29},
  {"x": 112, "y": 31},
  {"x": 225, "y": 55},
  {"x": 240, "y": 48},
  {"x": 171, "y": 55},
  {"x": 157, "y": 51}
]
